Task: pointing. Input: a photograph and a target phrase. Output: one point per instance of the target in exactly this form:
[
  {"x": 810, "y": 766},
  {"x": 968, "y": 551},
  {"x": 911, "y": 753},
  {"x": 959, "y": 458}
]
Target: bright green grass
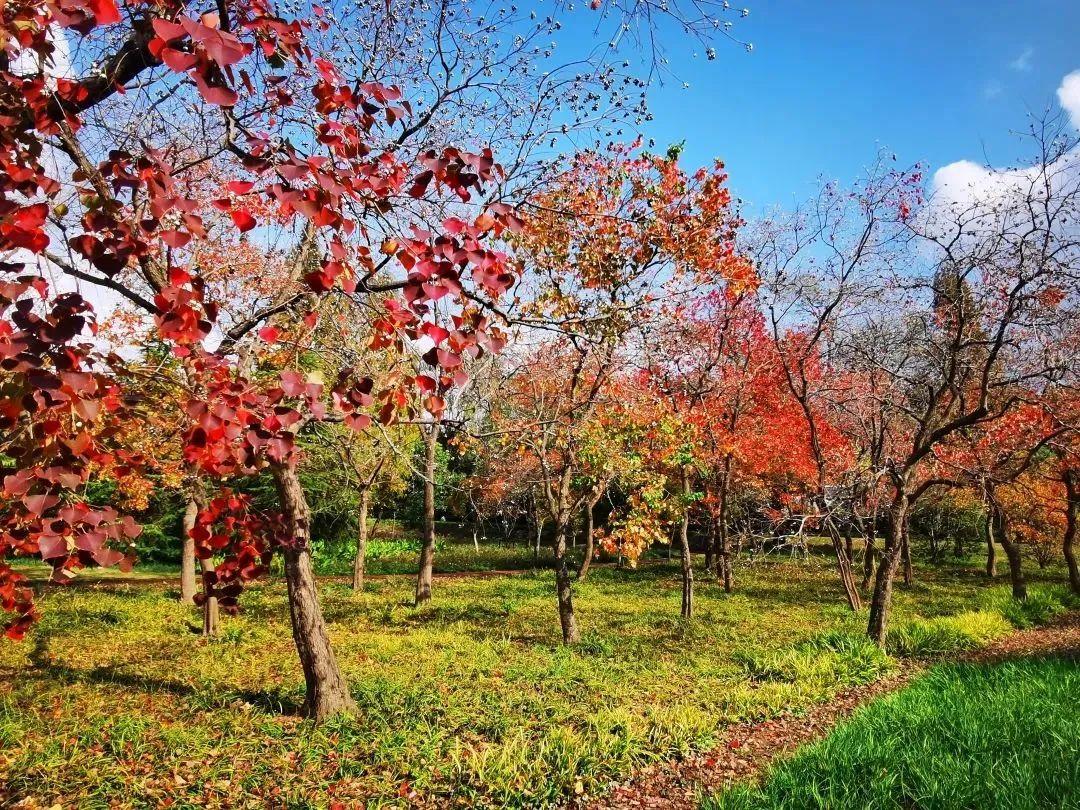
[
  {"x": 115, "y": 700},
  {"x": 1004, "y": 736}
]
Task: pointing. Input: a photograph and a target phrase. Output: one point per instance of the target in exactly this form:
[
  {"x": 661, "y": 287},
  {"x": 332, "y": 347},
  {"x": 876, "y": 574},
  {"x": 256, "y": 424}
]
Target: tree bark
[
  {"x": 712, "y": 551},
  {"x": 724, "y": 540},
  {"x": 360, "y": 560},
  {"x": 991, "y": 551},
  {"x": 187, "y": 554},
  {"x": 327, "y": 691},
  {"x": 563, "y": 587},
  {"x": 1012, "y": 554},
  {"x": 211, "y": 614},
  {"x": 843, "y": 567},
  {"x": 687, "y": 610},
  {"x": 590, "y": 549},
  {"x": 427, "y": 548},
  {"x": 881, "y": 600},
  {"x": 908, "y": 574},
  {"x": 868, "y": 553},
  {"x": 1072, "y": 508}
]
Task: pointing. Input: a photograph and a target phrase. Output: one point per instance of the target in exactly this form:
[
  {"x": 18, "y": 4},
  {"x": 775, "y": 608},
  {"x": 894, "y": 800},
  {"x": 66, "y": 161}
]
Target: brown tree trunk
[
  {"x": 991, "y": 551},
  {"x": 1013, "y": 555},
  {"x": 187, "y": 554},
  {"x": 563, "y": 588},
  {"x": 427, "y": 548},
  {"x": 712, "y": 550},
  {"x": 1072, "y": 508},
  {"x": 726, "y": 568},
  {"x": 360, "y": 560},
  {"x": 211, "y": 613},
  {"x": 687, "y": 610},
  {"x": 843, "y": 567},
  {"x": 881, "y": 600},
  {"x": 868, "y": 553},
  {"x": 908, "y": 574},
  {"x": 327, "y": 691},
  {"x": 590, "y": 548}
]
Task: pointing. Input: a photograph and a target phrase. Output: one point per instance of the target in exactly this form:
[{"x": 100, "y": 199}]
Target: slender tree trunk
[
  {"x": 211, "y": 614},
  {"x": 187, "y": 554},
  {"x": 327, "y": 691},
  {"x": 712, "y": 549},
  {"x": 563, "y": 587},
  {"x": 590, "y": 548},
  {"x": 427, "y": 548},
  {"x": 849, "y": 545},
  {"x": 991, "y": 550},
  {"x": 868, "y": 553},
  {"x": 360, "y": 560},
  {"x": 1013, "y": 555},
  {"x": 843, "y": 567},
  {"x": 726, "y": 567},
  {"x": 908, "y": 574},
  {"x": 881, "y": 600},
  {"x": 1072, "y": 508},
  {"x": 687, "y": 611}
]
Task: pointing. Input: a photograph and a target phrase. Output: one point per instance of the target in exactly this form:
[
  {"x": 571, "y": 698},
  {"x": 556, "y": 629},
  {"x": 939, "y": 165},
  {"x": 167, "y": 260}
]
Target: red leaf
[
  {"x": 51, "y": 547},
  {"x": 269, "y": 334},
  {"x": 175, "y": 239},
  {"x": 105, "y": 11},
  {"x": 244, "y": 221}
]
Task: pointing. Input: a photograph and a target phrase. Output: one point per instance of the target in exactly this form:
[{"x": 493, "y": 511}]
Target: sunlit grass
[{"x": 116, "y": 698}]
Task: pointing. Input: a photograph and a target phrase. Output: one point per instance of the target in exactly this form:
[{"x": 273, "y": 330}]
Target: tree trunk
[
  {"x": 687, "y": 611},
  {"x": 211, "y": 614},
  {"x": 187, "y": 554},
  {"x": 360, "y": 560},
  {"x": 908, "y": 575},
  {"x": 849, "y": 545},
  {"x": 843, "y": 567},
  {"x": 570, "y": 633},
  {"x": 726, "y": 567},
  {"x": 1072, "y": 508},
  {"x": 712, "y": 550},
  {"x": 327, "y": 691},
  {"x": 590, "y": 549},
  {"x": 868, "y": 553},
  {"x": 877, "y": 627},
  {"x": 427, "y": 548},
  {"x": 1013, "y": 555},
  {"x": 991, "y": 551}
]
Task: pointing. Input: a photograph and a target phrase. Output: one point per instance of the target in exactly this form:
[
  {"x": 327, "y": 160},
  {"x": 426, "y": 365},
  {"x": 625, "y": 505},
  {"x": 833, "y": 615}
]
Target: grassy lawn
[
  {"x": 963, "y": 736},
  {"x": 116, "y": 700}
]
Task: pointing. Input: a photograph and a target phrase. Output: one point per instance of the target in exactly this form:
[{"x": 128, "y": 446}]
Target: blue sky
[{"x": 828, "y": 83}]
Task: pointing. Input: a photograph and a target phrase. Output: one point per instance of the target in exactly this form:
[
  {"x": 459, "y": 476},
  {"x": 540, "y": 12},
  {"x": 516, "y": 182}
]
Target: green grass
[
  {"x": 115, "y": 700},
  {"x": 1005, "y": 736}
]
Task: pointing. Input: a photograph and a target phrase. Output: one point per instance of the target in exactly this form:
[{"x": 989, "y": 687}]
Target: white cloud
[
  {"x": 1069, "y": 96},
  {"x": 992, "y": 89},
  {"x": 966, "y": 186},
  {"x": 1022, "y": 63}
]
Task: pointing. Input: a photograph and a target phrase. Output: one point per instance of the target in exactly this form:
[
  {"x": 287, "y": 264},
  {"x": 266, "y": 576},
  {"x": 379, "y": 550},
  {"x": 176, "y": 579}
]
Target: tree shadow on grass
[{"x": 271, "y": 701}]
